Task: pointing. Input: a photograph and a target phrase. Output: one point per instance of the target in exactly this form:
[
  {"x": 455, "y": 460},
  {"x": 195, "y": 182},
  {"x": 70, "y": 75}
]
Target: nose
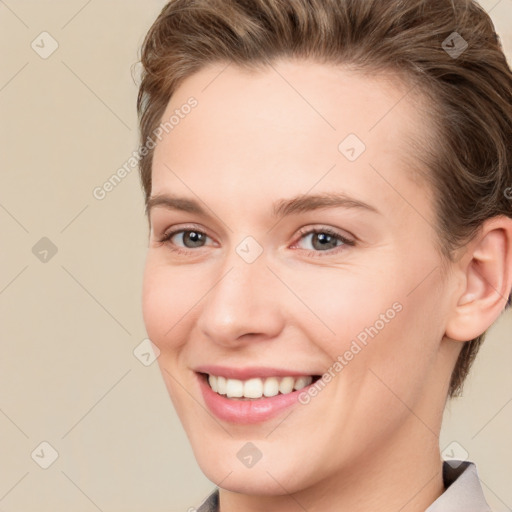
[{"x": 243, "y": 304}]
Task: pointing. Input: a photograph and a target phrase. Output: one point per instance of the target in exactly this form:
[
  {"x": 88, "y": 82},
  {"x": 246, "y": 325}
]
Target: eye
[
  {"x": 323, "y": 240},
  {"x": 320, "y": 240},
  {"x": 182, "y": 240}
]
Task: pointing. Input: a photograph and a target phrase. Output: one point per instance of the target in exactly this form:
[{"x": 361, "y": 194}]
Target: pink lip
[
  {"x": 246, "y": 411},
  {"x": 249, "y": 372}
]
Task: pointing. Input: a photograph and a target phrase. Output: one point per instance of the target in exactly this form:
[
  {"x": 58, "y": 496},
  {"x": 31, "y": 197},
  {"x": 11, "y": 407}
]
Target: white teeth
[
  {"x": 256, "y": 387},
  {"x": 234, "y": 388},
  {"x": 286, "y": 385},
  {"x": 271, "y": 387},
  {"x": 253, "y": 388},
  {"x": 212, "y": 380},
  {"x": 302, "y": 382},
  {"x": 221, "y": 385}
]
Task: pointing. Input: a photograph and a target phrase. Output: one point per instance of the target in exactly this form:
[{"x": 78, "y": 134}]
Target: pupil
[
  {"x": 194, "y": 238},
  {"x": 324, "y": 239}
]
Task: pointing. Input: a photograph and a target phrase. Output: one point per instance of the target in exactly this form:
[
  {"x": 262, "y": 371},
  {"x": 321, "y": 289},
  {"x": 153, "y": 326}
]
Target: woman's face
[{"x": 301, "y": 244}]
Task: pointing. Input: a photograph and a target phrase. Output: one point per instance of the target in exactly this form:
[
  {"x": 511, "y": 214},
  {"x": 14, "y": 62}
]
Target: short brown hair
[{"x": 470, "y": 94}]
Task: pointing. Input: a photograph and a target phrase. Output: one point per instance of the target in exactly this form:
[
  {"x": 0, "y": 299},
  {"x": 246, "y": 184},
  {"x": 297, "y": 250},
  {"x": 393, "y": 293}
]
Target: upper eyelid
[
  {"x": 320, "y": 228},
  {"x": 345, "y": 240},
  {"x": 188, "y": 227}
]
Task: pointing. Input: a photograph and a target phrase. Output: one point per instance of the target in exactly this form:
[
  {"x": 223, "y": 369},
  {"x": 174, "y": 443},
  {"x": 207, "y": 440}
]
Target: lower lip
[{"x": 246, "y": 411}]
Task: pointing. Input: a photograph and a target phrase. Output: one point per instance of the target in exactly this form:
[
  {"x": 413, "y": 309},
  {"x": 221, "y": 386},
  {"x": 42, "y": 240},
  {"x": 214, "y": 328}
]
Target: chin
[
  {"x": 265, "y": 478},
  {"x": 250, "y": 482}
]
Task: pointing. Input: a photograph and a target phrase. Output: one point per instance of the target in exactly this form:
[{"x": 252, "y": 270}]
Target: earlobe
[{"x": 486, "y": 270}]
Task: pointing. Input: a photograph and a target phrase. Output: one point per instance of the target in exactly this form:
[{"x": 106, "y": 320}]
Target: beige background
[{"x": 69, "y": 326}]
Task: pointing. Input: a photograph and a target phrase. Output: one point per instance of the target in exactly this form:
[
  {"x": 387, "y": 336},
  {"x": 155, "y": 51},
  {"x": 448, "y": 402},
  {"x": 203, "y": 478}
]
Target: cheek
[
  {"x": 383, "y": 316},
  {"x": 167, "y": 309},
  {"x": 343, "y": 304},
  {"x": 168, "y": 298},
  {"x": 402, "y": 354}
]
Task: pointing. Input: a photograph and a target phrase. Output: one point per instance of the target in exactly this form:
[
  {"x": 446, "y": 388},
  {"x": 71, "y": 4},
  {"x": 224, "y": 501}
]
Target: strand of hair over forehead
[{"x": 263, "y": 28}]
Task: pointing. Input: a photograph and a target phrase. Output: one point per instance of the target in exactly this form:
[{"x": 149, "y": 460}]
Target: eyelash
[{"x": 166, "y": 237}]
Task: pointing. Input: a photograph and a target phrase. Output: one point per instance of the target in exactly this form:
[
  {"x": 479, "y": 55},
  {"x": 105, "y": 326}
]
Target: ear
[{"x": 485, "y": 272}]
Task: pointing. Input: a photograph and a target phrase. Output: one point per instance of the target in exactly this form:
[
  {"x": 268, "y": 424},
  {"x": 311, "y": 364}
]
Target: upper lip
[{"x": 250, "y": 372}]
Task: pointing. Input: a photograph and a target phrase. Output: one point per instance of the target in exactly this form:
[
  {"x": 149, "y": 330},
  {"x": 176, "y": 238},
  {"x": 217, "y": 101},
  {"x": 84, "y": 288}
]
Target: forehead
[{"x": 285, "y": 126}]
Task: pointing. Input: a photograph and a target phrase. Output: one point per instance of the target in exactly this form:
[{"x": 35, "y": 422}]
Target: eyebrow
[{"x": 281, "y": 208}]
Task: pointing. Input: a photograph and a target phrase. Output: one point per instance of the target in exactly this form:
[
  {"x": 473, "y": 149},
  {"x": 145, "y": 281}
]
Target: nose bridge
[{"x": 240, "y": 301}]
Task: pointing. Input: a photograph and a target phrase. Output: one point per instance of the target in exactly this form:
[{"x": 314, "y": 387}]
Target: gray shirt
[{"x": 463, "y": 491}]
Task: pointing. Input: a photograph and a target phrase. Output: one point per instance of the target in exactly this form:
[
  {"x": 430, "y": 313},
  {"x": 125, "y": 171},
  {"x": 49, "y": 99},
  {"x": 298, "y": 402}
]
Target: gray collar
[{"x": 463, "y": 489}]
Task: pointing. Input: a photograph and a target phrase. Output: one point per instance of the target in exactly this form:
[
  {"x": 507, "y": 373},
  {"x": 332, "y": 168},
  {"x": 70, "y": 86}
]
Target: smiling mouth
[{"x": 257, "y": 388}]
